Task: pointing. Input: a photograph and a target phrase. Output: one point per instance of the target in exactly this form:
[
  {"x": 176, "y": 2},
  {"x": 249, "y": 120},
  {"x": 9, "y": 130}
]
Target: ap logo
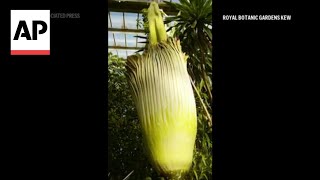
[{"x": 30, "y": 32}]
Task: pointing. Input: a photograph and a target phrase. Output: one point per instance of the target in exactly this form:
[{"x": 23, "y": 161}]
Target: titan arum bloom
[{"x": 164, "y": 99}]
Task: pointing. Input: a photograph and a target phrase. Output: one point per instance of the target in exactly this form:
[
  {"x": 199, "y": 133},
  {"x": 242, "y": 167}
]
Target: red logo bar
[{"x": 30, "y": 52}]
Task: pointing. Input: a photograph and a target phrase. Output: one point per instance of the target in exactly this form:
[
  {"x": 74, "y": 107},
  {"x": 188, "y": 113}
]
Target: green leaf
[
  {"x": 208, "y": 32},
  {"x": 195, "y": 174},
  {"x": 194, "y": 24},
  {"x": 203, "y": 160},
  {"x": 201, "y": 85}
]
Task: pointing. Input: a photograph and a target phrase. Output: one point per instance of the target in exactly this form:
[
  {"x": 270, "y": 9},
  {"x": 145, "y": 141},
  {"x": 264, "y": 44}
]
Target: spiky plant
[{"x": 164, "y": 99}]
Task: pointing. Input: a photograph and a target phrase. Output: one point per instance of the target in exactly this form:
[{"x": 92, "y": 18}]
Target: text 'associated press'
[
  {"x": 256, "y": 17},
  {"x": 65, "y": 15}
]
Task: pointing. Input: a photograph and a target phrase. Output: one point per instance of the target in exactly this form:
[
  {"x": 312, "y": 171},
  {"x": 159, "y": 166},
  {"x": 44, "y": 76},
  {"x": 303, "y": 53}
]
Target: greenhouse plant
[{"x": 167, "y": 132}]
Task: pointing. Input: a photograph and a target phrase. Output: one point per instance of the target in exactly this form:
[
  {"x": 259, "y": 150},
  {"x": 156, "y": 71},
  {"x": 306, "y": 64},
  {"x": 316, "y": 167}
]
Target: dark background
[
  {"x": 53, "y": 108},
  {"x": 261, "y": 88}
]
